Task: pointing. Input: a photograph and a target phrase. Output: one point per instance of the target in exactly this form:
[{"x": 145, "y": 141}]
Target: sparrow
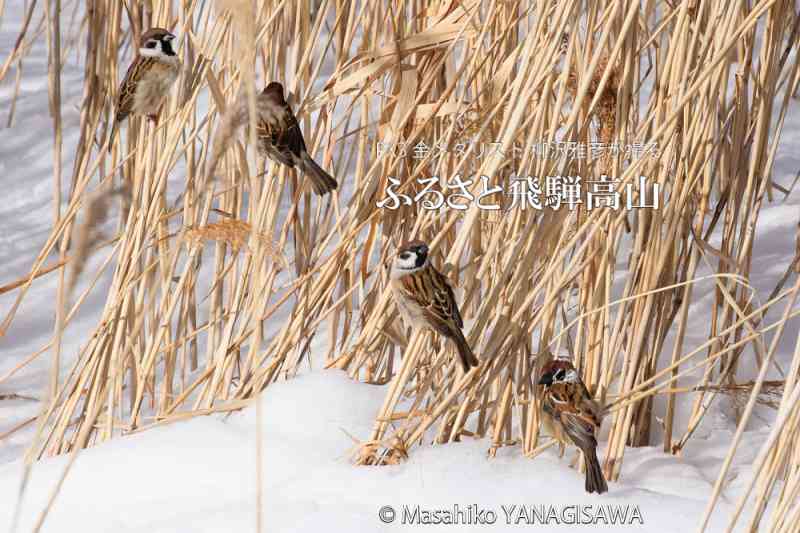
[
  {"x": 149, "y": 78},
  {"x": 279, "y": 138},
  {"x": 571, "y": 415},
  {"x": 425, "y": 298}
]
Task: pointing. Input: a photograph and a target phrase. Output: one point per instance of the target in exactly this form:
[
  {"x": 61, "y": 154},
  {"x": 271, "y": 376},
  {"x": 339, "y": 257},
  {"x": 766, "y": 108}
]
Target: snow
[{"x": 199, "y": 475}]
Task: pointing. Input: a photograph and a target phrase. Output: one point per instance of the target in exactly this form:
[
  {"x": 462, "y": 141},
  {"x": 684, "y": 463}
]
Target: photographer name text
[{"x": 514, "y": 515}]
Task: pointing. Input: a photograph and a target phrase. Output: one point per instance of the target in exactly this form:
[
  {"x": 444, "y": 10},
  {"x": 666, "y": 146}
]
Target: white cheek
[
  {"x": 402, "y": 267},
  {"x": 409, "y": 263},
  {"x": 149, "y": 52},
  {"x": 571, "y": 377}
]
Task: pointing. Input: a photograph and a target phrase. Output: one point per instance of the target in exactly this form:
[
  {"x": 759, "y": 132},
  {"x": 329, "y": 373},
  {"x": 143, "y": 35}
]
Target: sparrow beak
[{"x": 546, "y": 379}]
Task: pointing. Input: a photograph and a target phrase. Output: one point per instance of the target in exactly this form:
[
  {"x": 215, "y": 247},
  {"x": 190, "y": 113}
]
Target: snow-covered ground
[{"x": 199, "y": 475}]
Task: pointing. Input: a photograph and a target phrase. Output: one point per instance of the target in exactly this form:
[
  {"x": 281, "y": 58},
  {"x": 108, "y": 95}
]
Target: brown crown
[
  {"x": 557, "y": 364},
  {"x": 274, "y": 91},
  {"x": 409, "y": 245},
  {"x": 155, "y": 33}
]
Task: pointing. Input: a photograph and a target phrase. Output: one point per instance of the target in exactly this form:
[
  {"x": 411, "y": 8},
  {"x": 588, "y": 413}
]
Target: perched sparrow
[
  {"x": 426, "y": 299},
  {"x": 280, "y": 138},
  {"x": 571, "y": 415},
  {"x": 150, "y": 76}
]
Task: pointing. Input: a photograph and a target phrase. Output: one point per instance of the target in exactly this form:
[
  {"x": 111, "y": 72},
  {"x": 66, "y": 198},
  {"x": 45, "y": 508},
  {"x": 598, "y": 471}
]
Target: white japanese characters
[{"x": 554, "y": 192}]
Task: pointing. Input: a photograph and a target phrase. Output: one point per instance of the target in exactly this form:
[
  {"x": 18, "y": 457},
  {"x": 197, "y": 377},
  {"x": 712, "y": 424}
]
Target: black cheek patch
[
  {"x": 421, "y": 257},
  {"x": 166, "y": 47}
]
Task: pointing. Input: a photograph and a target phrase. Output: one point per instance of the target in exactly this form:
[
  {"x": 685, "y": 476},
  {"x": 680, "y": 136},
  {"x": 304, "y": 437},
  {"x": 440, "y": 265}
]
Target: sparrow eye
[
  {"x": 559, "y": 375},
  {"x": 405, "y": 255},
  {"x": 150, "y": 44}
]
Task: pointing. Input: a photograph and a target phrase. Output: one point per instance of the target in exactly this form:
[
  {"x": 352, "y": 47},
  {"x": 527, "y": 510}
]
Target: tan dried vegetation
[{"x": 690, "y": 76}]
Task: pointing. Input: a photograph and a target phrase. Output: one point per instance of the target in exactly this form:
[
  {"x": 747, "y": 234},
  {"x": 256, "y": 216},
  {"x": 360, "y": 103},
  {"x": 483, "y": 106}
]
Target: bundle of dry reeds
[{"x": 202, "y": 314}]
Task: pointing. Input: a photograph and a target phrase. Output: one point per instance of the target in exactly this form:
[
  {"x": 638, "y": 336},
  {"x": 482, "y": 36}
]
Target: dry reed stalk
[
  {"x": 531, "y": 282},
  {"x": 8, "y": 287}
]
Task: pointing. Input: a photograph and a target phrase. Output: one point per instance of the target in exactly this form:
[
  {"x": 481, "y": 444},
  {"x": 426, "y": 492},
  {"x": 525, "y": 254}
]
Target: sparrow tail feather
[
  {"x": 468, "y": 359},
  {"x": 321, "y": 181},
  {"x": 595, "y": 481}
]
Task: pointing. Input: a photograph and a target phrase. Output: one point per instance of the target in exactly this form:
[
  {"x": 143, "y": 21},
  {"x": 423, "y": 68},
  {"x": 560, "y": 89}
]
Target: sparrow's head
[
  {"x": 411, "y": 257},
  {"x": 274, "y": 92},
  {"x": 157, "y": 42},
  {"x": 558, "y": 371}
]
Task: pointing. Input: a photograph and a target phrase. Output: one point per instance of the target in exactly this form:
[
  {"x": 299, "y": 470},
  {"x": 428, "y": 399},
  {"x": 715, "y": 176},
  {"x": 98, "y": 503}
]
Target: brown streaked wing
[
  {"x": 429, "y": 289},
  {"x": 445, "y": 301},
  {"x": 415, "y": 288},
  {"x": 290, "y": 138},
  {"x": 566, "y": 402},
  {"x": 580, "y": 430},
  {"x": 127, "y": 88},
  {"x": 589, "y": 406},
  {"x": 266, "y": 140},
  {"x": 263, "y": 130}
]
